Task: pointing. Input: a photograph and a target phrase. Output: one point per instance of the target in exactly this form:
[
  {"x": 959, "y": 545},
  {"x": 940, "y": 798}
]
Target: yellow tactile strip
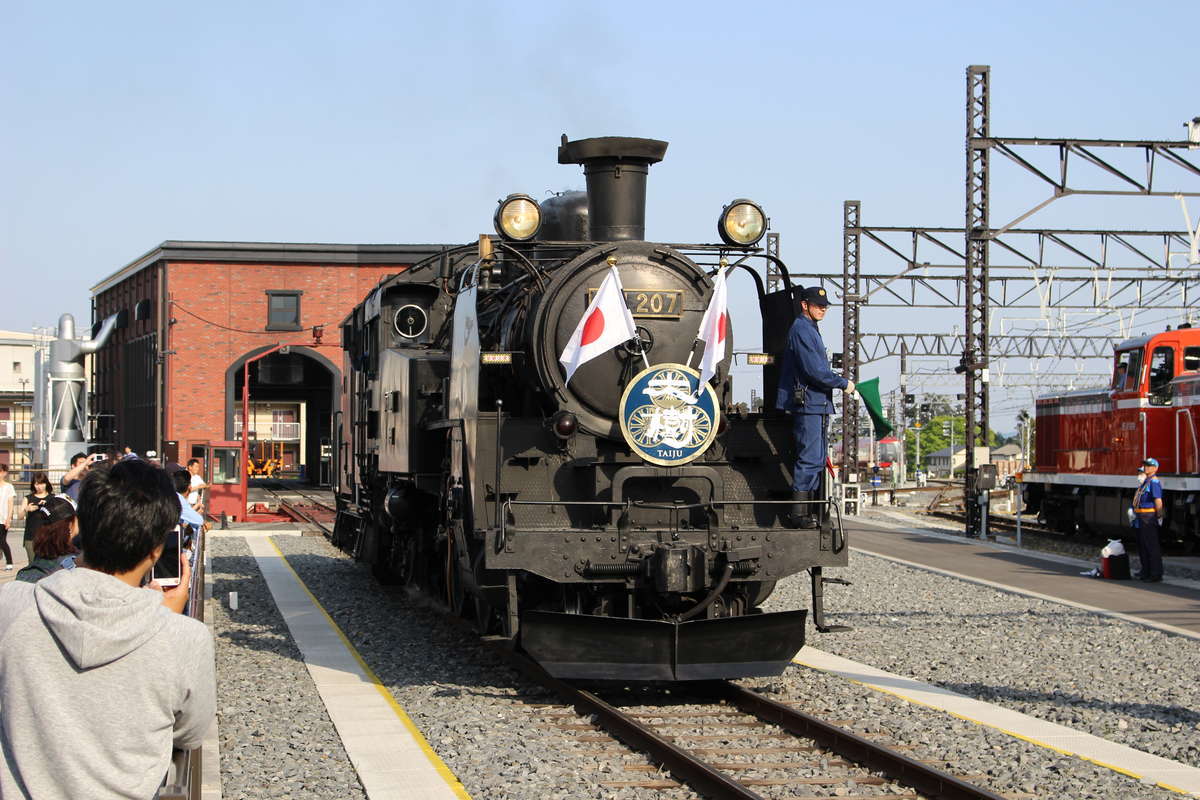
[{"x": 392, "y": 758}]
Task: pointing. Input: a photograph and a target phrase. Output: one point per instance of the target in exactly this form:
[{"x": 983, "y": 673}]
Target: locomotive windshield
[
  {"x": 1162, "y": 370},
  {"x": 1128, "y": 371}
]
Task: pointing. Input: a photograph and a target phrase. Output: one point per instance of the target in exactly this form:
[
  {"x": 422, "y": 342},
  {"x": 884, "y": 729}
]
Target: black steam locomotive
[{"x": 471, "y": 467}]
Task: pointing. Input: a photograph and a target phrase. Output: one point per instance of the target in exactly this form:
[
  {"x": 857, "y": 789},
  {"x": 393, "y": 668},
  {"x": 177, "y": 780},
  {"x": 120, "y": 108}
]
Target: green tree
[{"x": 933, "y": 437}]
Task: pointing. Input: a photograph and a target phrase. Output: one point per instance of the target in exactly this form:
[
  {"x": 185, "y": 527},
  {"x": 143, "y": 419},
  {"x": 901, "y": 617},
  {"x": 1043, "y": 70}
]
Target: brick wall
[{"x": 233, "y": 296}]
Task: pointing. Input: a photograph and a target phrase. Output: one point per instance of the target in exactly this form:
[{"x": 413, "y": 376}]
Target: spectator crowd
[{"x": 102, "y": 673}]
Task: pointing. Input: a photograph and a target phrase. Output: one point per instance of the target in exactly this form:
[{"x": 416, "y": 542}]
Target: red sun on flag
[
  {"x": 593, "y": 327},
  {"x": 721, "y": 328}
]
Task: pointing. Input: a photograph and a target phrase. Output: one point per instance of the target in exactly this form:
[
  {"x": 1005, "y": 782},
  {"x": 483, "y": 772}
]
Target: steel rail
[
  {"x": 925, "y": 779},
  {"x": 698, "y": 774},
  {"x": 712, "y": 782},
  {"x": 690, "y": 770},
  {"x": 295, "y": 513}
]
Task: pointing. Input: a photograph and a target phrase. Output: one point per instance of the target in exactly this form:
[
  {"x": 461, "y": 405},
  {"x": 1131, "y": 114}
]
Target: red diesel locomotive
[{"x": 1090, "y": 442}]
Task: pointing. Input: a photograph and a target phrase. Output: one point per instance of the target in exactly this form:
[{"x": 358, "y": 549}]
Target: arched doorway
[{"x": 292, "y": 398}]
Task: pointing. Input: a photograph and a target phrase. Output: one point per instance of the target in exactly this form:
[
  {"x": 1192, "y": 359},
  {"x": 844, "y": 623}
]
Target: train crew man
[
  {"x": 806, "y": 385},
  {"x": 1148, "y": 514}
]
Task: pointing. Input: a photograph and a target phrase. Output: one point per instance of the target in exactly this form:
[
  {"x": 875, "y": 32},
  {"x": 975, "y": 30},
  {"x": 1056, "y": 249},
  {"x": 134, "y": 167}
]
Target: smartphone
[{"x": 166, "y": 569}]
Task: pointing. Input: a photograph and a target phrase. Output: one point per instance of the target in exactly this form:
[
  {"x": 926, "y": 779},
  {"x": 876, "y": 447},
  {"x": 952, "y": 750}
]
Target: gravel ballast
[
  {"x": 276, "y": 740},
  {"x": 479, "y": 716},
  {"x": 1115, "y": 679},
  {"x": 494, "y": 730},
  {"x": 476, "y": 713}
]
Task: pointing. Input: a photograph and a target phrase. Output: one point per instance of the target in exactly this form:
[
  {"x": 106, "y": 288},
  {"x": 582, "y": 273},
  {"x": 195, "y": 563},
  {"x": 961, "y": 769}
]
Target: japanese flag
[
  {"x": 606, "y": 323},
  {"x": 713, "y": 329}
]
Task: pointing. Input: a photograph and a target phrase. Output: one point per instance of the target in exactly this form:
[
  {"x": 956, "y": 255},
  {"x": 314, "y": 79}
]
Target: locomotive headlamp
[
  {"x": 742, "y": 223},
  {"x": 565, "y": 424},
  {"x": 518, "y": 217}
]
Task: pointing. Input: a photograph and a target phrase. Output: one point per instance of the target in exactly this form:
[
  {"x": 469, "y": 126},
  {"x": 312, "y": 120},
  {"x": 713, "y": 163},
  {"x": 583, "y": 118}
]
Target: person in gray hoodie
[{"x": 100, "y": 677}]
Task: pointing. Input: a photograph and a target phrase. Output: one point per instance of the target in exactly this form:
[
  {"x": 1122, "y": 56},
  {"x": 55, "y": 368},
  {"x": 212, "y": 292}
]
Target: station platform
[
  {"x": 1162, "y": 772},
  {"x": 393, "y": 760},
  {"x": 1172, "y": 606}
]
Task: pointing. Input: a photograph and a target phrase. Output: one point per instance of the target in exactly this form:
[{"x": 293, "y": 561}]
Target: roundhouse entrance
[{"x": 291, "y": 411}]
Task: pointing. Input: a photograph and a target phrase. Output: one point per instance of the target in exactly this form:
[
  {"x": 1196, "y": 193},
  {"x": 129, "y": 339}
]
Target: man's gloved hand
[{"x": 850, "y": 387}]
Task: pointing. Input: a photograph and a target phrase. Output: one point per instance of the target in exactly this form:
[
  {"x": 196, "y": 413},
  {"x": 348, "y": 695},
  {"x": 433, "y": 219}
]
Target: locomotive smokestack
[{"x": 616, "y": 169}]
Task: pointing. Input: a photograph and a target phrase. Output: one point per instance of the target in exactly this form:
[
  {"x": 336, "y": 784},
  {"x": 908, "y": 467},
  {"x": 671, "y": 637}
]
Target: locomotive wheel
[
  {"x": 382, "y": 557},
  {"x": 404, "y": 558}
]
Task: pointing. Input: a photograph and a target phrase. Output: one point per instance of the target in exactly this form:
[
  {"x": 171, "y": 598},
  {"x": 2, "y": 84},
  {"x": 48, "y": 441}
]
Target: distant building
[
  {"x": 1008, "y": 460},
  {"x": 939, "y": 462},
  {"x": 193, "y": 314},
  {"x": 16, "y": 398}
]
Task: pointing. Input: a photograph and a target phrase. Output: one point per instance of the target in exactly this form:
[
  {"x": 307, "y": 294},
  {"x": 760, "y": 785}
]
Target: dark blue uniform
[
  {"x": 1146, "y": 521},
  {"x": 805, "y": 364}
]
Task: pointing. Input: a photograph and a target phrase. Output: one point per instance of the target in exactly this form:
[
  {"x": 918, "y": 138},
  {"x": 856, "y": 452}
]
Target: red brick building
[{"x": 192, "y": 313}]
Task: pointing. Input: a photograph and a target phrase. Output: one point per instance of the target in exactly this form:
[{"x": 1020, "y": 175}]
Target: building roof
[
  {"x": 945, "y": 452},
  {"x": 1007, "y": 450},
  {"x": 271, "y": 252},
  {"x": 17, "y": 337}
]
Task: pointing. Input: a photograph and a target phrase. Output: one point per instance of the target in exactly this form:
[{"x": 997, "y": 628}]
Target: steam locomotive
[
  {"x": 549, "y": 512},
  {"x": 1089, "y": 443}
]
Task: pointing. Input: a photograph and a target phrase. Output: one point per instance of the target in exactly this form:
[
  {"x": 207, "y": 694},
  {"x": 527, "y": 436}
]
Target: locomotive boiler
[{"x": 573, "y": 516}]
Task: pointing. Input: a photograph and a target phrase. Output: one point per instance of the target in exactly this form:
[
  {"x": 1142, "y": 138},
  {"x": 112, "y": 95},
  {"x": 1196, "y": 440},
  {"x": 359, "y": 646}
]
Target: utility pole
[
  {"x": 917, "y": 425},
  {"x": 1023, "y": 421},
  {"x": 902, "y": 416},
  {"x": 974, "y": 366},
  {"x": 948, "y": 430}
]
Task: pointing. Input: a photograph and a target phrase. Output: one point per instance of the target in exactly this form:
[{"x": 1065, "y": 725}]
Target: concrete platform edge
[
  {"x": 1166, "y": 774},
  {"x": 344, "y": 697}
]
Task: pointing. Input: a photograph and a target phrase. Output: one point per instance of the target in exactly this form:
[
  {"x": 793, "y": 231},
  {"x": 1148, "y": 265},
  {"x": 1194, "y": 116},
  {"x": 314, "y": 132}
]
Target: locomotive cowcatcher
[
  {"x": 470, "y": 467},
  {"x": 1089, "y": 443}
]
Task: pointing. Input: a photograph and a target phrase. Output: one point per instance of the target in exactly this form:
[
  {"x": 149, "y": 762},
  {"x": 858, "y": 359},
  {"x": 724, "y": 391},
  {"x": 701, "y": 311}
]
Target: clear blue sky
[{"x": 126, "y": 124}]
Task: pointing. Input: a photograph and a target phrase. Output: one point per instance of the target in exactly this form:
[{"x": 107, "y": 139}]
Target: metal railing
[
  {"x": 11, "y": 429},
  {"x": 275, "y": 431},
  {"x": 183, "y": 778}
]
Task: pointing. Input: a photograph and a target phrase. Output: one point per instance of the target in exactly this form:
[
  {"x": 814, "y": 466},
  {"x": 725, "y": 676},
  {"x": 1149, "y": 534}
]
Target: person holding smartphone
[{"x": 139, "y": 675}]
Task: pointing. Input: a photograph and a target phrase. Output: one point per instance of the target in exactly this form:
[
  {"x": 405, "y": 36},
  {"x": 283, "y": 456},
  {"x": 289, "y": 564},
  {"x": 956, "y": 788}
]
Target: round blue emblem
[{"x": 664, "y": 419}]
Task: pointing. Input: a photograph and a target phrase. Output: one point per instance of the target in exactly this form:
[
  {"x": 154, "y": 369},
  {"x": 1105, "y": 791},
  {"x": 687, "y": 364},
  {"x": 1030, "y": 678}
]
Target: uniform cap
[
  {"x": 1150, "y": 462},
  {"x": 815, "y": 295}
]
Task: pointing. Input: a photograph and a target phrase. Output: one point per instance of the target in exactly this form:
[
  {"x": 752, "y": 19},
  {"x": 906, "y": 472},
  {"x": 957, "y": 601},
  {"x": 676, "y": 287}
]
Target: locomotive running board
[{"x": 582, "y": 647}]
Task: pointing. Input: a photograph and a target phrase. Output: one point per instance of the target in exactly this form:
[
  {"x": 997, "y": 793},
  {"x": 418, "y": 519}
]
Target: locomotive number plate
[{"x": 655, "y": 304}]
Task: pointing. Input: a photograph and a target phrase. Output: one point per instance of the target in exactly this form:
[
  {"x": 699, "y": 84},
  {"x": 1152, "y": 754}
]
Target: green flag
[{"x": 868, "y": 390}]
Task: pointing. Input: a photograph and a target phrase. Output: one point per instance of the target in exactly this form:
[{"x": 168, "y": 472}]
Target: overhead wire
[{"x": 190, "y": 313}]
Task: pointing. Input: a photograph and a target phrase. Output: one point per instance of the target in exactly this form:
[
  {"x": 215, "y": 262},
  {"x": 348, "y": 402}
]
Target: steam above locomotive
[{"x": 472, "y": 467}]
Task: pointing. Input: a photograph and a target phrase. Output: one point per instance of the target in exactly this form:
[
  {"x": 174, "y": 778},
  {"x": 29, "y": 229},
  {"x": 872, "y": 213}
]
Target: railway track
[
  {"x": 310, "y": 509},
  {"x": 995, "y": 523},
  {"x": 727, "y": 742}
]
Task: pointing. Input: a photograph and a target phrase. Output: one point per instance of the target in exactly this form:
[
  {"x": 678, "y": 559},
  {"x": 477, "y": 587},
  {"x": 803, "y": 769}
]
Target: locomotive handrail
[
  {"x": 1142, "y": 419},
  {"x": 664, "y": 506},
  {"x": 507, "y": 504},
  {"x": 1192, "y": 428}
]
